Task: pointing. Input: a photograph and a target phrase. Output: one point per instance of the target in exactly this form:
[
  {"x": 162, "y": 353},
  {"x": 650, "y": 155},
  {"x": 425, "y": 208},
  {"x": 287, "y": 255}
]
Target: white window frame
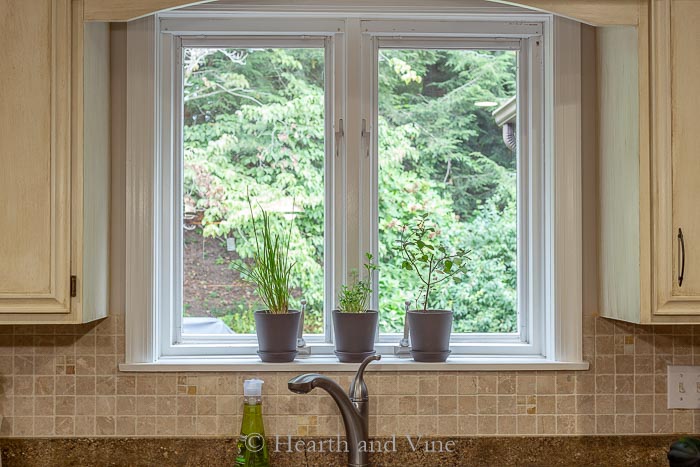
[
  {"x": 527, "y": 40},
  {"x": 172, "y": 342},
  {"x": 559, "y": 239}
]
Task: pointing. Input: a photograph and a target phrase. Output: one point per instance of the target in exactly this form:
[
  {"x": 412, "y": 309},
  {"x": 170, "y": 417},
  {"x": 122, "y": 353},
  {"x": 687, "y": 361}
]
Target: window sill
[{"x": 330, "y": 363}]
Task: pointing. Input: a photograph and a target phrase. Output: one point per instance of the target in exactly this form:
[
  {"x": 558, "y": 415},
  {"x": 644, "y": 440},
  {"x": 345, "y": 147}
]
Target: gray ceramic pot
[
  {"x": 354, "y": 335},
  {"x": 430, "y": 334},
  {"x": 277, "y": 335}
]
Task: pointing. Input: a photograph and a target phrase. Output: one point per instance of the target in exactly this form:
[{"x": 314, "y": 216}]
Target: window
[
  {"x": 253, "y": 126},
  {"x": 350, "y": 127}
]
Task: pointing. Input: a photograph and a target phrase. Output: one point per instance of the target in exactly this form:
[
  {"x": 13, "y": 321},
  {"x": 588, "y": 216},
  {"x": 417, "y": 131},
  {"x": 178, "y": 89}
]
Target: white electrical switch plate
[{"x": 683, "y": 387}]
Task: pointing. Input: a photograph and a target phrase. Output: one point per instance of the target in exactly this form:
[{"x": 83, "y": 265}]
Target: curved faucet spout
[{"x": 354, "y": 407}]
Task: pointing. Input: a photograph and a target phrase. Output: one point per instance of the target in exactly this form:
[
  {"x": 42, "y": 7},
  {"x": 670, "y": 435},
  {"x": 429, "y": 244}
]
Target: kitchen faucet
[{"x": 354, "y": 407}]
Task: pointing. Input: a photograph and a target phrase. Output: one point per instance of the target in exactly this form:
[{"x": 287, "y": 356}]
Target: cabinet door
[
  {"x": 676, "y": 142},
  {"x": 35, "y": 125}
]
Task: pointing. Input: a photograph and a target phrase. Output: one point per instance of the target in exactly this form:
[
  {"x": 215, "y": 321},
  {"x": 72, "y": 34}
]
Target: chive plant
[{"x": 271, "y": 268}]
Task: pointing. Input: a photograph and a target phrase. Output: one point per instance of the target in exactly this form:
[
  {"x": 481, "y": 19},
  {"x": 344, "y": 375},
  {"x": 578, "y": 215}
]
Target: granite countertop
[{"x": 543, "y": 451}]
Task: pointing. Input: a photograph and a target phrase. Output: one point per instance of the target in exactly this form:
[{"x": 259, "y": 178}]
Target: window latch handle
[
  {"x": 366, "y": 136},
  {"x": 338, "y": 137}
]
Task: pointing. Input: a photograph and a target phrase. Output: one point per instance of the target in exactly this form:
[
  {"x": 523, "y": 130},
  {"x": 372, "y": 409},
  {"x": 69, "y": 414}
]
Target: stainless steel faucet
[{"x": 354, "y": 407}]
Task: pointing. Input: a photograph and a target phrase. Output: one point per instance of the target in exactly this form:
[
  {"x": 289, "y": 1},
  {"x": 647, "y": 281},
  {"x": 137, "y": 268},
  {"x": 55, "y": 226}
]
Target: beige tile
[
  {"x": 427, "y": 385},
  {"x": 526, "y": 424},
  {"x": 468, "y": 425},
  {"x": 85, "y": 405},
  {"x": 624, "y": 424},
  {"x": 105, "y": 425},
  {"x": 23, "y": 385},
  {"x": 166, "y": 426},
  {"x": 85, "y": 425},
  {"x": 206, "y": 425},
  {"x": 44, "y": 426},
  {"x": 546, "y": 384},
  {"x": 507, "y": 425},
  {"x": 408, "y": 405},
  {"x": 126, "y": 385},
  {"x": 487, "y": 424},
  {"x": 506, "y": 383},
  {"x": 546, "y": 404},
  {"x": 585, "y": 404},
  {"x": 166, "y": 405},
  {"x": 447, "y": 425},
  {"x": 145, "y": 405},
  {"x": 65, "y": 405},
  {"x": 227, "y": 405},
  {"x": 506, "y": 405},
  {"x": 23, "y": 426},
  {"x": 487, "y": 404},
  {"x": 146, "y": 426},
  {"x": 447, "y": 384},
  {"x": 546, "y": 424},
  {"x": 466, "y": 405},
  {"x": 467, "y": 384},
  {"x": 447, "y": 405},
  {"x": 64, "y": 426},
  {"x": 186, "y": 426},
  {"x": 43, "y": 407},
  {"x": 427, "y": 405},
  {"x": 105, "y": 406},
  {"x": 605, "y": 424},
  {"x": 85, "y": 385},
  {"x": 566, "y": 404},
  {"x": 644, "y": 424},
  {"x": 526, "y": 384},
  {"x": 487, "y": 384},
  {"x": 206, "y": 405},
  {"x": 566, "y": 424}
]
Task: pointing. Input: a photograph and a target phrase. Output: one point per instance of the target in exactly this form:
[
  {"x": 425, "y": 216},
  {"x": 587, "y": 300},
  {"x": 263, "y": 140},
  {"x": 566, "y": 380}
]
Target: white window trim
[
  {"x": 526, "y": 40},
  {"x": 562, "y": 298}
]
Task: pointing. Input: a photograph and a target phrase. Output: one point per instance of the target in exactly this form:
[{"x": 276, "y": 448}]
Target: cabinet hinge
[{"x": 73, "y": 286}]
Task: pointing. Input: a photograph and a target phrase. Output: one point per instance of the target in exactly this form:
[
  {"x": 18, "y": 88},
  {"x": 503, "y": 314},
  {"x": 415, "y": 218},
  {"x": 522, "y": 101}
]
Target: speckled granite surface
[{"x": 606, "y": 451}]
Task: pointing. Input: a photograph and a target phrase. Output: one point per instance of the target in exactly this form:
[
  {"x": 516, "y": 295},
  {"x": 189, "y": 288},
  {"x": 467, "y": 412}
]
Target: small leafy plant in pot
[
  {"x": 354, "y": 326},
  {"x": 433, "y": 264},
  {"x": 270, "y": 271}
]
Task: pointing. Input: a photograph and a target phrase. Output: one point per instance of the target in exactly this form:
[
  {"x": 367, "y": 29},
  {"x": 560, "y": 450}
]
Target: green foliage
[
  {"x": 425, "y": 254},
  {"x": 353, "y": 298},
  {"x": 271, "y": 269},
  {"x": 255, "y": 118}
]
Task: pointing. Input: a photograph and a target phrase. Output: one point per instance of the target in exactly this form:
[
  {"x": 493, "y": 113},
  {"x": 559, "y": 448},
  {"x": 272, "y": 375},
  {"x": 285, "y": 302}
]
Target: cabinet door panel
[
  {"x": 685, "y": 139},
  {"x": 35, "y": 155}
]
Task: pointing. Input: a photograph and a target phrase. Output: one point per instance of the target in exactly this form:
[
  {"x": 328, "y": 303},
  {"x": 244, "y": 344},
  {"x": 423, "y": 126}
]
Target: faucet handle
[{"x": 358, "y": 388}]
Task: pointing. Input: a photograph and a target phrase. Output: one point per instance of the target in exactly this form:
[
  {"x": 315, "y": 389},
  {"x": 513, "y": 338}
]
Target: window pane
[
  {"x": 441, "y": 153},
  {"x": 253, "y": 122}
]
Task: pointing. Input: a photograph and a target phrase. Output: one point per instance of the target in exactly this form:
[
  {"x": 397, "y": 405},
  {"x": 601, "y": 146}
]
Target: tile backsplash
[{"x": 64, "y": 381}]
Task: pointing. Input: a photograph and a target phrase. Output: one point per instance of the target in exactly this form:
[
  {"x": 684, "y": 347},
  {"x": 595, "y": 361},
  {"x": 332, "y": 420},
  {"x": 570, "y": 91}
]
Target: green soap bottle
[{"x": 252, "y": 446}]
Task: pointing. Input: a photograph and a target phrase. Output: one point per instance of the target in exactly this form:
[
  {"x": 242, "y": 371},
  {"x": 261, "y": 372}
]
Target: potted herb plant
[
  {"x": 270, "y": 271},
  {"x": 434, "y": 264},
  {"x": 354, "y": 326}
]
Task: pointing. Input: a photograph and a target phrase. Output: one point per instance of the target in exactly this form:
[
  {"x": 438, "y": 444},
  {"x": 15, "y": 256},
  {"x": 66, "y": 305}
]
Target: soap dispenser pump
[{"x": 252, "y": 446}]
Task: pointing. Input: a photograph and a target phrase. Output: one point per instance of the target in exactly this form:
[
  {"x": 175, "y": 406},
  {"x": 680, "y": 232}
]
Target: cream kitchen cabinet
[
  {"x": 54, "y": 151},
  {"x": 649, "y": 165}
]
